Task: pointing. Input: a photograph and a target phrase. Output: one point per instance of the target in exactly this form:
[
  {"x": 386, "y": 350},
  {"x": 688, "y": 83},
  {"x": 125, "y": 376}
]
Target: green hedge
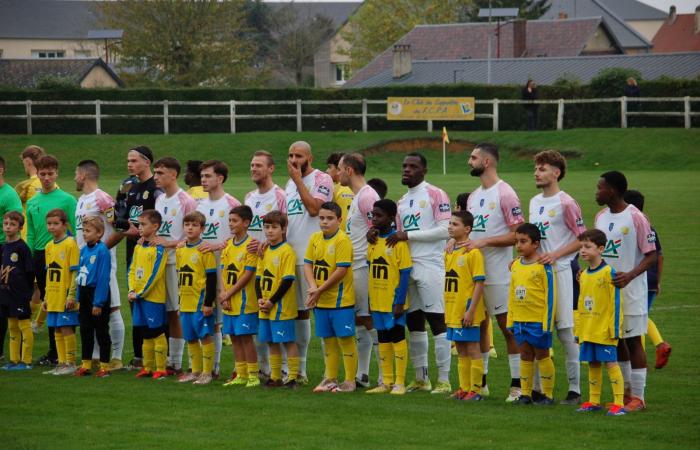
[{"x": 512, "y": 117}]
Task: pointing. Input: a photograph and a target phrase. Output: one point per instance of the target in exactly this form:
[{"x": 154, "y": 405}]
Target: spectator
[
  {"x": 632, "y": 90},
  {"x": 530, "y": 93}
]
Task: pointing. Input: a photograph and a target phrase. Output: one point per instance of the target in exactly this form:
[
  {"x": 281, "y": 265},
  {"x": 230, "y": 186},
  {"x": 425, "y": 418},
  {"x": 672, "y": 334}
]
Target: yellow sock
[
  {"x": 595, "y": 383},
  {"x": 477, "y": 375},
  {"x": 331, "y": 357},
  {"x": 401, "y": 361},
  {"x": 60, "y": 346},
  {"x": 71, "y": 348},
  {"x": 86, "y": 364},
  {"x": 241, "y": 369},
  {"x": 349, "y": 346},
  {"x": 386, "y": 356},
  {"x": 293, "y": 365},
  {"x": 15, "y": 339},
  {"x": 149, "y": 354},
  {"x": 41, "y": 318},
  {"x": 464, "y": 367},
  {"x": 253, "y": 370},
  {"x": 547, "y": 372},
  {"x": 653, "y": 333},
  {"x": 275, "y": 367},
  {"x": 161, "y": 351},
  {"x": 195, "y": 350},
  {"x": 25, "y": 327},
  {"x": 617, "y": 383},
  {"x": 527, "y": 369},
  {"x": 208, "y": 351}
]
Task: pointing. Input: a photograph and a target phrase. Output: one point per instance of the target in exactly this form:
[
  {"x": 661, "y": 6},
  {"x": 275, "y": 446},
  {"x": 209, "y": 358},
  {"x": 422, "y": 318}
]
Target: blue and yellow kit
[
  {"x": 463, "y": 268},
  {"x": 532, "y": 294},
  {"x": 192, "y": 269},
  {"x": 147, "y": 272},
  {"x": 599, "y": 307},
  {"x": 387, "y": 267},
  {"x": 62, "y": 260},
  {"x": 326, "y": 254},
  {"x": 278, "y": 263},
  {"x": 235, "y": 260}
]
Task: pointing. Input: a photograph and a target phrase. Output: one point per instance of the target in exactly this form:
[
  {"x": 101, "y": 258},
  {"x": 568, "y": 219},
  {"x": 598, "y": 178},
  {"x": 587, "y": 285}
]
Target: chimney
[
  {"x": 697, "y": 20},
  {"x": 671, "y": 15},
  {"x": 563, "y": 15},
  {"x": 402, "y": 60},
  {"x": 519, "y": 38}
]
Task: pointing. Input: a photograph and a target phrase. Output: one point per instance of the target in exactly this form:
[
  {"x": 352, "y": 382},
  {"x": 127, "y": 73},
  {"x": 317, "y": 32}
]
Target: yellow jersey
[
  {"x": 532, "y": 294},
  {"x": 278, "y": 263},
  {"x": 326, "y": 254},
  {"x": 26, "y": 189},
  {"x": 235, "y": 260},
  {"x": 192, "y": 269},
  {"x": 386, "y": 264},
  {"x": 197, "y": 193},
  {"x": 343, "y": 195},
  {"x": 62, "y": 263},
  {"x": 599, "y": 307},
  {"x": 463, "y": 268},
  {"x": 147, "y": 273}
]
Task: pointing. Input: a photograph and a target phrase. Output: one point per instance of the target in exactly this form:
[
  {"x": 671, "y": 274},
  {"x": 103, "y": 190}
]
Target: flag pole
[{"x": 444, "y": 159}]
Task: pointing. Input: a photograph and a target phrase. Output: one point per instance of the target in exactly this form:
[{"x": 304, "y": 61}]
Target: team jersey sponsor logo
[
  {"x": 541, "y": 210},
  {"x": 480, "y": 222},
  {"x": 14, "y": 257},
  {"x": 611, "y": 248},
  {"x": 324, "y": 190},
  {"x": 93, "y": 258},
  {"x": 256, "y": 224},
  {"x": 135, "y": 212},
  {"x": 543, "y": 227},
  {"x": 444, "y": 207},
  {"x": 5, "y": 274},
  {"x": 411, "y": 222},
  {"x": 552, "y": 213},
  {"x": 651, "y": 238},
  {"x": 211, "y": 230},
  {"x": 516, "y": 211},
  {"x": 520, "y": 292},
  {"x": 588, "y": 303},
  {"x": 165, "y": 228},
  {"x": 579, "y": 222},
  {"x": 295, "y": 207}
]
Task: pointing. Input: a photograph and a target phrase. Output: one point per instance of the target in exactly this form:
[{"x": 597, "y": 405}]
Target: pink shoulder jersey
[
  {"x": 358, "y": 223},
  {"x": 559, "y": 219},
  {"x": 301, "y": 224}
]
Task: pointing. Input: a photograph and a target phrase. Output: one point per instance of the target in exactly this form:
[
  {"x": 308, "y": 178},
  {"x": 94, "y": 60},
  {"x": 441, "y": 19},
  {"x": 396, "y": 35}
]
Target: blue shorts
[
  {"x": 651, "y": 295},
  {"x": 533, "y": 334},
  {"x": 387, "y": 321},
  {"x": 593, "y": 352},
  {"x": 241, "y": 325},
  {"x": 62, "y": 319},
  {"x": 470, "y": 334},
  {"x": 276, "y": 331},
  {"x": 335, "y": 322},
  {"x": 148, "y": 314},
  {"x": 195, "y": 326}
]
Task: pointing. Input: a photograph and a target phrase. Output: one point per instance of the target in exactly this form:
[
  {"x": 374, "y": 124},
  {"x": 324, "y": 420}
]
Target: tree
[
  {"x": 183, "y": 43},
  {"x": 527, "y": 9}
]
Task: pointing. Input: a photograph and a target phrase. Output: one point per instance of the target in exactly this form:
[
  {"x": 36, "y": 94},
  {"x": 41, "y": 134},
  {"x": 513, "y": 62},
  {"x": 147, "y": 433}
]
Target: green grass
[{"x": 39, "y": 411}]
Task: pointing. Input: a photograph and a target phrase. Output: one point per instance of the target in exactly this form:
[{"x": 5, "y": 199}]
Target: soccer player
[
  {"x": 422, "y": 220},
  {"x": 197, "y": 288},
  {"x": 558, "y": 217},
  {"x": 496, "y": 210},
  {"x": 94, "y": 202},
  {"x": 332, "y": 296},
  {"x": 62, "y": 257},
  {"x": 307, "y": 189},
  {"x": 630, "y": 250},
  {"x": 464, "y": 308},
  {"x": 663, "y": 349},
  {"x": 351, "y": 173},
  {"x": 238, "y": 300},
  {"x": 342, "y": 194},
  {"x": 531, "y": 311},
  {"x": 600, "y": 321},
  {"x": 147, "y": 293},
  {"x": 16, "y": 288},
  {"x": 390, "y": 270},
  {"x": 29, "y": 187},
  {"x": 274, "y": 280},
  {"x": 174, "y": 205},
  {"x": 379, "y": 187},
  {"x": 193, "y": 179},
  {"x": 93, "y": 292}
]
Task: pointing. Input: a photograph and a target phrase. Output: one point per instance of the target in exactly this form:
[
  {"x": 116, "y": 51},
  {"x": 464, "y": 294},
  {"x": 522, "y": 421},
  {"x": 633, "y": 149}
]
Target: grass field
[{"x": 38, "y": 411}]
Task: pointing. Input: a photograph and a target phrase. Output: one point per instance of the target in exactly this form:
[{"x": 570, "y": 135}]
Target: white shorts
[
  {"x": 425, "y": 289},
  {"x": 360, "y": 279},
  {"x": 172, "y": 289},
  {"x": 633, "y": 326},
  {"x": 496, "y": 298},
  {"x": 564, "y": 317},
  {"x": 114, "y": 300},
  {"x": 301, "y": 286}
]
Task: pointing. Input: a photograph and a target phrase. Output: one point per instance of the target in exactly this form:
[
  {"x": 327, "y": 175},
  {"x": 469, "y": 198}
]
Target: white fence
[{"x": 296, "y": 110}]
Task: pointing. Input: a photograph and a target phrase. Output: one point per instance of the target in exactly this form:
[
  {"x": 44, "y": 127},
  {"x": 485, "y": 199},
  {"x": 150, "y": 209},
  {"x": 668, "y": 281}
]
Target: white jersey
[
  {"x": 559, "y": 219},
  {"x": 629, "y": 238},
  {"x": 495, "y": 210},
  {"x": 273, "y": 200},
  {"x": 216, "y": 211},
  {"x": 358, "y": 223},
  {"x": 301, "y": 225},
  {"x": 422, "y": 208},
  {"x": 173, "y": 210},
  {"x": 98, "y": 204}
]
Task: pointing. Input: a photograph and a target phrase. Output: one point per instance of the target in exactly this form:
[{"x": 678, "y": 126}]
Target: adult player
[
  {"x": 351, "y": 174},
  {"x": 496, "y": 210},
  {"x": 342, "y": 195},
  {"x": 630, "y": 251},
  {"x": 558, "y": 217},
  {"x": 307, "y": 189}
]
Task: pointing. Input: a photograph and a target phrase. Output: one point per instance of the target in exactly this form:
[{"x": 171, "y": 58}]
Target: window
[
  {"x": 83, "y": 53},
  {"x": 341, "y": 73},
  {"x": 47, "y": 54}
]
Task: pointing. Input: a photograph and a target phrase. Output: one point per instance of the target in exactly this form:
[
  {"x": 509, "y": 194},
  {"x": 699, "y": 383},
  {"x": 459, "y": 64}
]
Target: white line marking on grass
[{"x": 664, "y": 308}]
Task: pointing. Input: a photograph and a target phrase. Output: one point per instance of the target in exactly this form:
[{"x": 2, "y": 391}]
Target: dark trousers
[
  {"x": 136, "y": 332},
  {"x": 91, "y": 326},
  {"x": 531, "y": 119},
  {"x": 40, "y": 274}
]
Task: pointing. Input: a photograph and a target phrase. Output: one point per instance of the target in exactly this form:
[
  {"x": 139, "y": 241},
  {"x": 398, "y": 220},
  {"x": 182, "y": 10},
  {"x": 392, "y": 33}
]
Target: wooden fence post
[
  {"x": 298, "y": 115},
  {"x": 623, "y": 112},
  {"x": 495, "y": 115},
  {"x": 364, "y": 115},
  {"x": 232, "y": 115},
  {"x": 430, "y": 126},
  {"x": 686, "y": 112},
  {"x": 29, "y": 117},
  {"x": 560, "y": 114},
  {"x": 98, "y": 117},
  {"x": 166, "y": 126}
]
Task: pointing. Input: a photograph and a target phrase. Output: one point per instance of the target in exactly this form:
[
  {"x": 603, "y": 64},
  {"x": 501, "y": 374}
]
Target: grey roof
[
  {"x": 37, "y": 19},
  {"x": 338, "y": 12},
  {"x": 25, "y": 73},
  {"x": 543, "y": 70}
]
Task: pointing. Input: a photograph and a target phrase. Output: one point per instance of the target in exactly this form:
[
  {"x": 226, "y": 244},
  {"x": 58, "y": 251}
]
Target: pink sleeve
[
  {"x": 188, "y": 203},
  {"x": 440, "y": 203},
  {"x": 104, "y": 201},
  {"x": 232, "y": 201},
  {"x": 510, "y": 205},
  {"x": 646, "y": 239},
  {"x": 323, "y": 187},
  {"x": 572, "y": 215},
  {"x": 281, "y": 197},
  {"x": 366, "y": 203}
]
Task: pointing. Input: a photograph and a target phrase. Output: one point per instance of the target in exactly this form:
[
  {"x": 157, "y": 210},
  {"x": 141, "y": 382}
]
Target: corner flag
[{"x": 445, "y": 137}]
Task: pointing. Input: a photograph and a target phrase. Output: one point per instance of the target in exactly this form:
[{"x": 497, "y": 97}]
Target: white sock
[
  {"x": 218, "y": 343},
  {"x": 177, "y": 348},
  {"x": 573, "y": 366},
  {"x": 514, "y": 363},
  {"x": 443, "y": 357},
  {"x": 375, "y": 346},
  {"x": 283, "y": 351},
  {"x": 485, "y": 359},
  {"x": 303, "y": 332},
  {"x": 263, "y": 355},
  {"x": 418, "y": 349},
  {"x": 638, "y": 382},
  {"x": 626, "y": 368},
  {"x": 95, "y": 348},
  {"x": 116, "y": 333},
  {"x": 364, "y": 351}
]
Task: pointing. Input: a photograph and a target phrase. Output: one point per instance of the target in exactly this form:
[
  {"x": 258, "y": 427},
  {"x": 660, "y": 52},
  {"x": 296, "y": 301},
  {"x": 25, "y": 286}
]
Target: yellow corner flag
[{"x": 445, "y": 137}]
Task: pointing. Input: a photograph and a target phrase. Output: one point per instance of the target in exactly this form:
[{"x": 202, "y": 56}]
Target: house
[
  {"x": 679, "y": 33},
  {"x": 82, "y": 72}
]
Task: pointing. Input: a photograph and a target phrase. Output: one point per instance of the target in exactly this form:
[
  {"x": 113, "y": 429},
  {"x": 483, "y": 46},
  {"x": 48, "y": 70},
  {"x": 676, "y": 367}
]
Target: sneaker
[
  {"x": 205, "y": 378},
  {"x": 381, "y": 389},
  {"x": 102, "y": 373},
  {"x": 291, "y": 384},
  {"x": 419, "y": 385},
  {"x": 442, "y": 387},
  {"x": 253, "y": 381},
  {"x": 572, "y": 398},
  {"x": 263, "y": 377},
  {"x": 458, "y": 394},
  {"x": 238, "y": 381},
  {"x": 47, "y": 360},
  {"x": 363, "y": 381},
  {"x": 67, "y": 369},
  {"x": 95, "y": 364},
  {"x": 398, "y": 389},
  {"x": 53, "y": 371},
  {"x": 135, "y": 364},
  {"x": 20, "y": 366},
  {"x": 514, "y": 394},
  {"x": 273, "y": 383},
  {"x": 537, "y": 396},
  {"x": 493, "y": 353},
  {"x": 188, "y": 377},
  {"x": 546, "y": 401},
  {"x": 115, "y": 364},
  {"x": 8, "y": 366},
  {"x": 485, "y": 391},
  {"x": 36, "y": 329},
  {"x": 215, "y": 374},
  {"x": 302, "y": 380},
  {"x": 172, "y": 370},
  {"x": 82, "y": 372},
  {"x": 453, "y": 350},
  {"x": 226, "y": 341},
  {"x": 589, "y": 407},
  {"x": 345, "y": 386},
  {"x": 663, "y": 351},
  {"x": 144, "y": 373},
  {"x": 523, "y": 400},
  {"x": 473, "y": 397},
  {"x": 616, "y": 410},
  {"x": 635, "y": 404},
  {"x": 233, "y": 376},
  {"x": 160, "y": 375},
  {"x": 326, "y": 386}
]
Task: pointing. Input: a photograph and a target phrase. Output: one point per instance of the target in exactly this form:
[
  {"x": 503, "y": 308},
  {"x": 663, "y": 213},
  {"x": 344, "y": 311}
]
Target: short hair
[
  {"x": 387, "y": 206},
  {"x": 635, "y": 198},
  {"x": 594, "y": 235},
  {"x": 333, "y": 206},
  {"x": 487, "y": 147},
  {"x": 356, "y": 161},
  {"x": 465, "y": 216},
  {"x": 95, "y": 222},
  {"x": 462, "y": 200},
  {"x": 46, "y": 162},
  {"x": 244, "y": 212},
  {"x": 423, "y": 161},
  {"x": 195, "y": 217},
  {"x": 169, "y": 163},
  {"x": 530, "y": 230},
  {"x": 379, "y": 186},
  {"x": 90, "y": 168},
  {"x": 219, "y": 167},
  {"x": 33, "y": 152},
  {"x": 276, "y": 217},
  {"x": 16, "y": 216},
  {"x": 152, "y": 216},
  {"x": 57, "y": 212},
  {"x": 334, "y": 158},
  {"x": 266, "y": 154},
  {"x": 554, "y": 159},
  {"x": 616, "y": 180},
  {"x": 193, "y": 166}
]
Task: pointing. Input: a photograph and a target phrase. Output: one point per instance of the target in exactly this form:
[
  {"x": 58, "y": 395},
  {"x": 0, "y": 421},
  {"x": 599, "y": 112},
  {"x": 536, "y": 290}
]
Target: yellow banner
[{"x": 430, "y": 108}]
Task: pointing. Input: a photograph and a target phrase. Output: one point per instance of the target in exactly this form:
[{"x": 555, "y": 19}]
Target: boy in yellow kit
[
  {"x": 531, "y": 307},
  {"x": 196, "y": 275},
  {"x": 332, "y": 295},
  {"x": 146, "y": 284}
]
